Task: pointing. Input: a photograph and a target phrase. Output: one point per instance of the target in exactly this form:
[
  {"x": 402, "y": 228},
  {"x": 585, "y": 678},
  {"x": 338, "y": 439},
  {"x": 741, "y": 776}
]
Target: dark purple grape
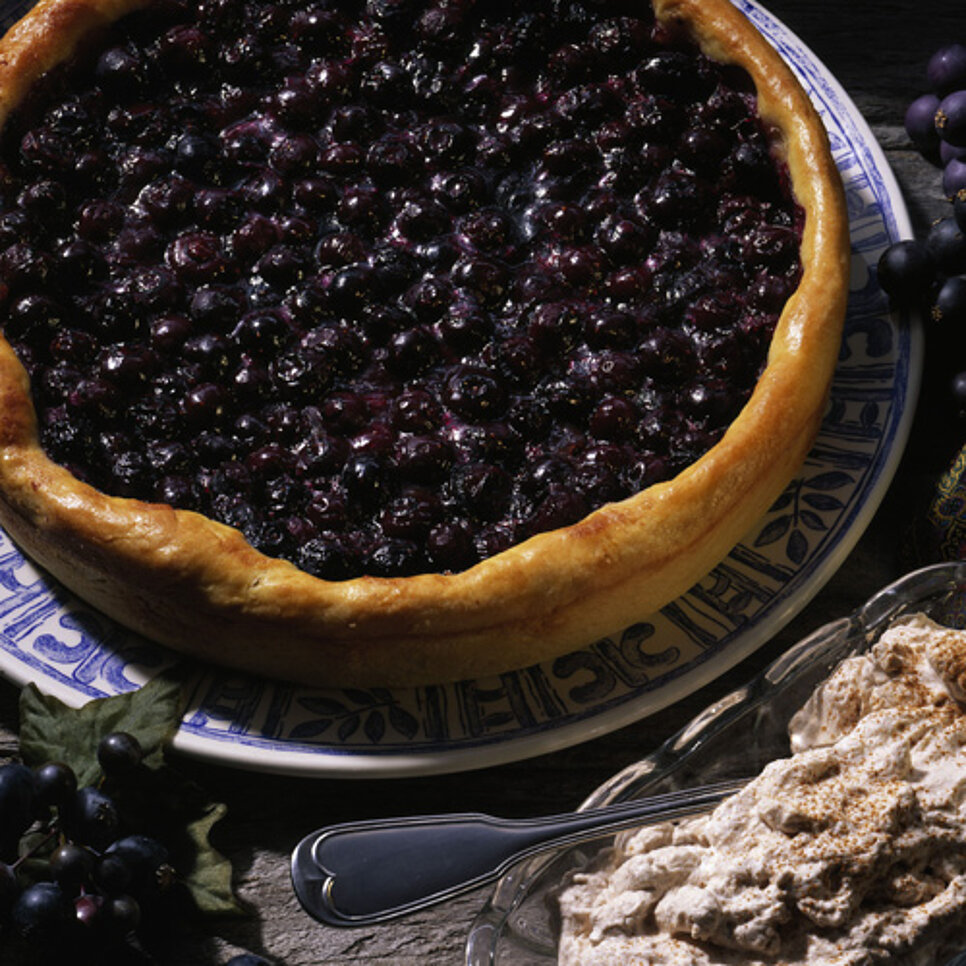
[
  {"x": 88, "y": 907},
  {"x": 957, "y": 392},
  {"x": 946, "y": 245},
  {"x": 248, "y": 959},
  {"x": 55, "y": 783},
  {"x": 949, "y": 152},
  {"x": 905, "y": 269},
  {"x": 147, "y": 861},
  {"x": 946, "y": 70},
  {"x": 951, "y": 118},
  {"x": 42, "y": 913},
  {"x": 959, "y": 209},
  {"x": 70, "y": 866},
  {"x": 9, "y": 890},
  {"x": 119, "y": 753},
  {"x": 920, "y": 123},
  {"x": 17, "y": 803},
  {"x": 949, "y": 307},
  {"x": 954, "y": 178},
  {"x": 92, "y": 818},
  {"x": 121, "y": 913},
  {"x": 112, "y": 874}
]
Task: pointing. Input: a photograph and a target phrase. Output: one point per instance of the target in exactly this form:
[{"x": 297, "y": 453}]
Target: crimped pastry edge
[{"x": 199, "y": 587}]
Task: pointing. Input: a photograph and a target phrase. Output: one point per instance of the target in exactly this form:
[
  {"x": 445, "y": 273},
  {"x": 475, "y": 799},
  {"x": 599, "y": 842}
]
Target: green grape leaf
[
  {"x": 209, "y": 880},
  {"x": 53, "y": 731},
  {"x": 160, "y": 802}
]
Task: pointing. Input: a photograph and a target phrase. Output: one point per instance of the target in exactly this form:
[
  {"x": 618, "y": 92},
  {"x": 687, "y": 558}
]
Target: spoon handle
[{"x": 360, "y": 873}]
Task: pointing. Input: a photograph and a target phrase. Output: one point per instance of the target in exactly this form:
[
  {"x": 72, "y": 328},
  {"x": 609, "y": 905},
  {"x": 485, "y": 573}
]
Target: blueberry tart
[{"x": 398, "y": 341}]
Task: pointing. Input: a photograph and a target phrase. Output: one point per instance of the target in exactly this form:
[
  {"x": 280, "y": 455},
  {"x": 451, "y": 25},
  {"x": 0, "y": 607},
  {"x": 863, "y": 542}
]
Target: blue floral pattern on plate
[{"x": 49, "y": 637}]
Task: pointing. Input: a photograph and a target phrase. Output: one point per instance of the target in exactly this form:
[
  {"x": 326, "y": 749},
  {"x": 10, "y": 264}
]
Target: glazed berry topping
[{"x": 390, "y": 287}]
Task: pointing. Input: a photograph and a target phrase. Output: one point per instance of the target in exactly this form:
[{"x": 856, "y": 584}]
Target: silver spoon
[{"x": 360, "y": 873}]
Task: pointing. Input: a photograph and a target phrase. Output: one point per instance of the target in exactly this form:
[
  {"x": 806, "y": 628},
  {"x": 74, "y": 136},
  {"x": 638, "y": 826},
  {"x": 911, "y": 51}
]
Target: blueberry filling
[{"x": 390, "y": 286}]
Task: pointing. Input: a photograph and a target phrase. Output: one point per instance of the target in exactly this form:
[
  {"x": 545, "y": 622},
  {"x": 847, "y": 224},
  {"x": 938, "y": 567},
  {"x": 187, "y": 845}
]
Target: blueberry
[
  {"x": 614, "y": 418},
  {"x": 43, "y": 199},
  {"x": 557, "y": 326},
  {"x": 411, "y": 515},
  {"x": 364, "y": 479},
  {"x": 395, "y": 557},
  {"x": 314, "y": 193},
  {"x": 394, "y": 161},
  {"x": 483, "y": 489},
  {"x": 185, "y": 48},
  {"x": 295, "y": 152},
  {"x": 350, "y": 288},
  {"x": 446, "y": 142},
  {"x": 120, "y": 69},
  {"x": 23, "y": 266},
  {"x": 475, "y": 394},
  {"x": 561, "y": 507},
  {"x": 424, "y": 459},
  {"x": 328, "y": 556},
  {"x": 352, "y": 122},
  {"x": 411, "y": 352},
  {"x": 905, "y": 269},
  {"x": 460, "y": 191},
  {"x": 265, "y": 190},
  {"x": 450, "y": 545},
  {"x": 344, "y": 412},
  {"x": 282, "y": 266},
  {"x": 168, "y": 200},
  {"x": 331, "y": 79},
  {"x": 422, "y": 220},
  {"x": 195, "y": 155}
]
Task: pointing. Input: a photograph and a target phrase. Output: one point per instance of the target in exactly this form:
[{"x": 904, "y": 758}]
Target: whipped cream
[{"x": 852, "y": 851}]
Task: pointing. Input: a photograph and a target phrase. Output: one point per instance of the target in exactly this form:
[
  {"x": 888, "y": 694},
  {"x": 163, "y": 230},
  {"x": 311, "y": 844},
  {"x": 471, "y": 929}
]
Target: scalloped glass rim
[{"x": 516, "y": 925}]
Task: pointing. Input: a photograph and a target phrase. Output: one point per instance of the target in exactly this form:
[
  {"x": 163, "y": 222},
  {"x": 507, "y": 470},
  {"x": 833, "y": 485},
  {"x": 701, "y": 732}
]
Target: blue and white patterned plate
[{"x": 49, "y": 637}]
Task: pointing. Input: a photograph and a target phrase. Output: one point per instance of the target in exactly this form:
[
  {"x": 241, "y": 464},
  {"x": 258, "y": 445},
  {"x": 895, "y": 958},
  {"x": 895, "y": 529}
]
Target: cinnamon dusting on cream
[{"x": 851, "y": 851}]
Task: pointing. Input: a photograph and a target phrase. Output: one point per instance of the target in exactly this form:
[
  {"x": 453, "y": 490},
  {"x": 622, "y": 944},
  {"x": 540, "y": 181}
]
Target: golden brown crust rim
[{"x": 200, "y": 588}]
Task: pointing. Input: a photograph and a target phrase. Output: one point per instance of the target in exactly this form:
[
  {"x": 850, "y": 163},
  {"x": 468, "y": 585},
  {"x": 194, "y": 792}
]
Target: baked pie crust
[{"x": 197, "y": 586}]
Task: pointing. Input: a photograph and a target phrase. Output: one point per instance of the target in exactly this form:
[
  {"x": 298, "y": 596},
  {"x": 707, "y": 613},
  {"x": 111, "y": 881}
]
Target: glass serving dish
[{"x": 735, "y": 737}]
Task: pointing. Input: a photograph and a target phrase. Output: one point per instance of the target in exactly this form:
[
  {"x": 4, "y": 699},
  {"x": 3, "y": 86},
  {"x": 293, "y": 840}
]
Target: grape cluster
[
  {"x": 931, "y": 271},
  {"x": 936, "y": 120},
  {"x": 75, "y": 878}
]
